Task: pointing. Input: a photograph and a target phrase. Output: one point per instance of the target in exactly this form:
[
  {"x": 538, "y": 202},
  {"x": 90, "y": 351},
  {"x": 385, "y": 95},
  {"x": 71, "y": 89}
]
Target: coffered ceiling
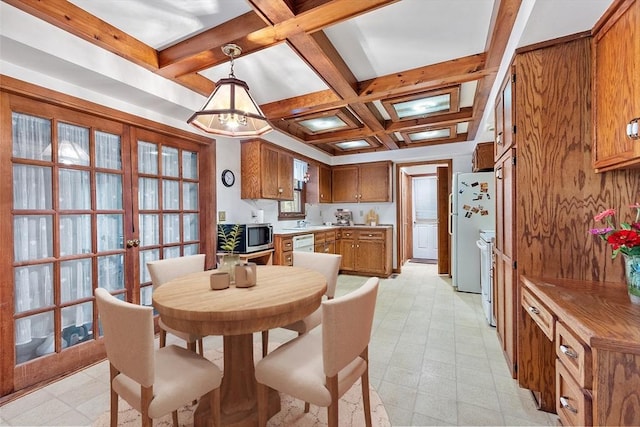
[{"x": 343, "y": 76}]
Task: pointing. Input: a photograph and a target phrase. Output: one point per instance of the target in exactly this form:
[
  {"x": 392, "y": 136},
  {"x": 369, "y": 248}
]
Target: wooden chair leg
[
  {"x": 365, "y": 397},
  {"x": 174, "y": 415},
  {"x": 191, "y": 346},
  {"x": 114, "y": 397},
  {"x": 146, "y": 397},
  {"x": 163, "y": 338},
  {"x": 332, "y": 410},
  {"x": 215, "y": 406},
  {"x": 262, "y": 393},
  {"x": 265, "y": 342},
  {"x": 200, "y": 343},
  {"x": 306, "y": 407}
]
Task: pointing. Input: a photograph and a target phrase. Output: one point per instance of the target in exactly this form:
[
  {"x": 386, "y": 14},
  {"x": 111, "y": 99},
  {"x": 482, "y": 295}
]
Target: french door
[{"x": 91, "y": 201}]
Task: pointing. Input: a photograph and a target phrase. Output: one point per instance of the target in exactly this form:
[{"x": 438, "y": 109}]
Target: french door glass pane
[
  {"x": 190, "y": 227},
  {"x": 108, "y": 191},
  {"x": 75, "y": 187},
  {"x": 75, "y": 234},
  {"x": 34, "y": 237},
  {"x": 73, "y": 145},
  {"x": 147, "y": 158},
  {"x": 31, "y": 187},
  {"x": 149, "y": 229},
  {"x": 110, "y": 232},
  {"x": 148, "y": 193},
  {"x": 170, "y": 164},
  {"x": 108, "y": 151},
  {"x": 190, "y": 196},
  {"x": 34, "y": 336},
  {"x": 189, "y": 165},
  {"x": 111, "y": 272},
  {"x": 145, "y": 257},
  {"x": 77, "y": 321},
  {"x": 75, "y": 280},
  {"x": 191, "y": 249},
  {"x": 33, "y": 287},
  {"x": 171, "y": 252},
  {"x": 31, "y": 137},
  {"x": 171, "y": 228},
  {"x": 170, "y": 195}
]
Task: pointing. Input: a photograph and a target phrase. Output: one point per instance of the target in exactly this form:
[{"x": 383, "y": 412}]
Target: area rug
[
  {"x": 292, "y": 413},
  {"x": 423, "y": 261}
]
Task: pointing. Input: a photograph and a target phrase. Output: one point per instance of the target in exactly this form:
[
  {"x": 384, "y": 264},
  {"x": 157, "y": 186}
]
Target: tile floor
[{"x": 433, "y": 361}]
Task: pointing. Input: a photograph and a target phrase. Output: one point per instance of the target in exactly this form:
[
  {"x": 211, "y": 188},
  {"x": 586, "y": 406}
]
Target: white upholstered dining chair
[
  {"x": 329, "y": 266},
  {"x": 153, "y": 381},
  {"x": 164, "y": 270},
  {"x": 320, "y": 366}
]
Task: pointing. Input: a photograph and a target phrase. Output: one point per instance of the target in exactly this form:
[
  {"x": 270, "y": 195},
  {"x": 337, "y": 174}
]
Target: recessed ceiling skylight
[
  {"x": 422, "y": 106},
  {"x": 351, "y": 145},
  {"x": 320, "y": 124},
  {"x": 430, "y": 134}
]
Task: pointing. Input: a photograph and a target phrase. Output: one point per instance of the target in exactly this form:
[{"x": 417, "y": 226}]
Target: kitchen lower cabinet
[
  {"x": 325, "y": 242},
  {"x": 583, "y": 349},
  {"x": 283, "y": 249},
  {"x": 366, "y": 250}
]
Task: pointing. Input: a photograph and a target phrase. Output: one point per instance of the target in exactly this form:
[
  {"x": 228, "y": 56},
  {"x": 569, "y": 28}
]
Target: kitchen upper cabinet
[
  {"x": 482, "y": 160},
  {"x": 616, "y": 86},
  {"x": 504, "y": 117},
  {"x": 369, "y": 182},
  {"x": 267, "y": 172},
  {"x": 319, "y": 185}
]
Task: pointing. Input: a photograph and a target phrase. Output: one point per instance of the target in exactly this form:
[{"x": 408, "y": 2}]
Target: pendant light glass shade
[{"x": 230, "y": 110}]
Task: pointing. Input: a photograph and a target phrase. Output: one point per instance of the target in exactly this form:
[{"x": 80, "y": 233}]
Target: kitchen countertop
[{"x": 313, "y": 228}]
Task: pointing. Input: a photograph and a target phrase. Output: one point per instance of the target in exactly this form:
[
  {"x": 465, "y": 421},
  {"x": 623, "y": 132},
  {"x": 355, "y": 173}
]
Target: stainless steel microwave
[{"x": 253, "y": 237}]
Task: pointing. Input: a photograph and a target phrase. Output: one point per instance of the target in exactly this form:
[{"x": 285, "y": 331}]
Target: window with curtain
[{"x": 294, "y": 209}]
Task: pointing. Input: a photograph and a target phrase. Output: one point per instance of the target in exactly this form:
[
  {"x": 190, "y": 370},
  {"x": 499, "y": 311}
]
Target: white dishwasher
[{"x": 303, "y": 243}]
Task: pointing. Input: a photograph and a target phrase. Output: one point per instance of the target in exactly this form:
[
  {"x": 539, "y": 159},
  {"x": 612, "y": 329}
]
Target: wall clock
[{"x": 228, "y": 178}]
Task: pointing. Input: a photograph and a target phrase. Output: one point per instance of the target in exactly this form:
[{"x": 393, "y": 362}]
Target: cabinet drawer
[
  {"x": 573, "y": 403},
  {"x": 287, "y": 258},
  {"x": 371, "y": 235},
  {"x": 286, "y": 244},
  {"x": 575, "y": 356},
  {"x": 347, "y": 234},
  {"x": 319, "y": 237},
  {"x": 538, "y": 313},
  {"x": 330, "y": 236}
]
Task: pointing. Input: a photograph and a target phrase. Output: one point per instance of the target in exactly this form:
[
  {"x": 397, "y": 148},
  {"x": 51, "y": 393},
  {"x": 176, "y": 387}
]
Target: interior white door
[{"x": 425, "y": 217}]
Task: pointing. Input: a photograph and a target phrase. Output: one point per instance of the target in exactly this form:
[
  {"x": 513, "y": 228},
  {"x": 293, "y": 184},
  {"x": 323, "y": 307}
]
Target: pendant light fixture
[{"x": 230, "y": 110}]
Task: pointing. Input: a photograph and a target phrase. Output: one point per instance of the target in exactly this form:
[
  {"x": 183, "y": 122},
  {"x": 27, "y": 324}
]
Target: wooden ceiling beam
[{"x": 504, "y": 16}]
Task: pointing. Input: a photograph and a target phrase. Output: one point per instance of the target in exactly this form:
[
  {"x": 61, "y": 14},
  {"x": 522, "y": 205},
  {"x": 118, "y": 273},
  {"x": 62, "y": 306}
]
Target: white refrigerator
[{"x": 472, "y": 208}]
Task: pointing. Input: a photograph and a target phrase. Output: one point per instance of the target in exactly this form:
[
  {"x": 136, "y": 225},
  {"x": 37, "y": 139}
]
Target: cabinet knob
[
  {"x": 534, "y": 310},
  {"x": 568, "y": 351},
  {"x": 564, "y": 402},
  {"x": 280, "y": 190}
]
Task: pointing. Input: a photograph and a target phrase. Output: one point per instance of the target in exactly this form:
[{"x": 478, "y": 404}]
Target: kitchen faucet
[{"x": 302, "y": 223}]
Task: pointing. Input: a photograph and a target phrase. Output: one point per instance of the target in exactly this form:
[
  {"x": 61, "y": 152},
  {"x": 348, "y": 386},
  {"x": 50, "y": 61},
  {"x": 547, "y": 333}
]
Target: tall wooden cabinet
[
  {"x": 266, "y": 171},
  {"x": 548, "y": 195},
  {"x": 616, "y": 87},
  {"x": 368, "y": 182}
]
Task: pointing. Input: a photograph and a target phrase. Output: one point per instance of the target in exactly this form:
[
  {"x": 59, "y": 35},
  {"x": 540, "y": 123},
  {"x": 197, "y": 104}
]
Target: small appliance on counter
[{"x": 343, "y": 217}]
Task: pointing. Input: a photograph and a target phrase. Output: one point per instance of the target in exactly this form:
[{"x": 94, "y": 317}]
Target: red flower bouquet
[{"x": 623, "y": 239}]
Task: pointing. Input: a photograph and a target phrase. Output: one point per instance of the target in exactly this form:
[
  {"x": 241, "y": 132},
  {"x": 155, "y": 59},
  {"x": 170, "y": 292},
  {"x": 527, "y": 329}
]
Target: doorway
[
  {"x": 406, "y": 173},
  {"x": 425, "y": 218}
]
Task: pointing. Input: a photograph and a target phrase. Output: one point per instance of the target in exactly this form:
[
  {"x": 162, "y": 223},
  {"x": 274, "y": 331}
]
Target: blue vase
[{"x": 632, "y": 274}]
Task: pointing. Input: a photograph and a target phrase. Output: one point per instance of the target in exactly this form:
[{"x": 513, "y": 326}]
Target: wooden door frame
[{"x": 400, "y": 209}]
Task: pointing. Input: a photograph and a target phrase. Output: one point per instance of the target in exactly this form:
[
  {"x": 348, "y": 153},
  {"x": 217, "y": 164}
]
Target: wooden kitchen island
[{"x": 579, "y": 350}]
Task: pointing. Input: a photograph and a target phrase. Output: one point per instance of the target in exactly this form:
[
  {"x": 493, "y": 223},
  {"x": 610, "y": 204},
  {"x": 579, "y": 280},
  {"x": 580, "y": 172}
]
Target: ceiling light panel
[
  {"x": 353, "y": 145},
  {"x": 321, "y": 124}
]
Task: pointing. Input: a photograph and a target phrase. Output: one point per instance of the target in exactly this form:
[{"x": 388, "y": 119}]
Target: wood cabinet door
[
  {"x": 344, "y": 184},
  {"x": 285, "y": 176},
  {"x": 374, "y": 182},
  {"x": 504, "y": 118},
  {"x": 370, "y": 256},
  {"x": 270, "y": 180},
  {"x": 347, "y": 250},
  {"x": 617, "y": 89},
  {"x": 324, "y": 174}
]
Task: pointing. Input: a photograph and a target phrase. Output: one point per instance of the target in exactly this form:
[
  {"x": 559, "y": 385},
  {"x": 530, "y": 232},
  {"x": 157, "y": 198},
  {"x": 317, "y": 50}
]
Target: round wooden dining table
[{"x": 281, "y": 296}]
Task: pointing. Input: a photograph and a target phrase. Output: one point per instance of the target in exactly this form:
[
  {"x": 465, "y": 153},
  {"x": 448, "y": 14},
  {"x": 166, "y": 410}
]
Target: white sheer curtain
[{"x": 299, "y": 169}]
